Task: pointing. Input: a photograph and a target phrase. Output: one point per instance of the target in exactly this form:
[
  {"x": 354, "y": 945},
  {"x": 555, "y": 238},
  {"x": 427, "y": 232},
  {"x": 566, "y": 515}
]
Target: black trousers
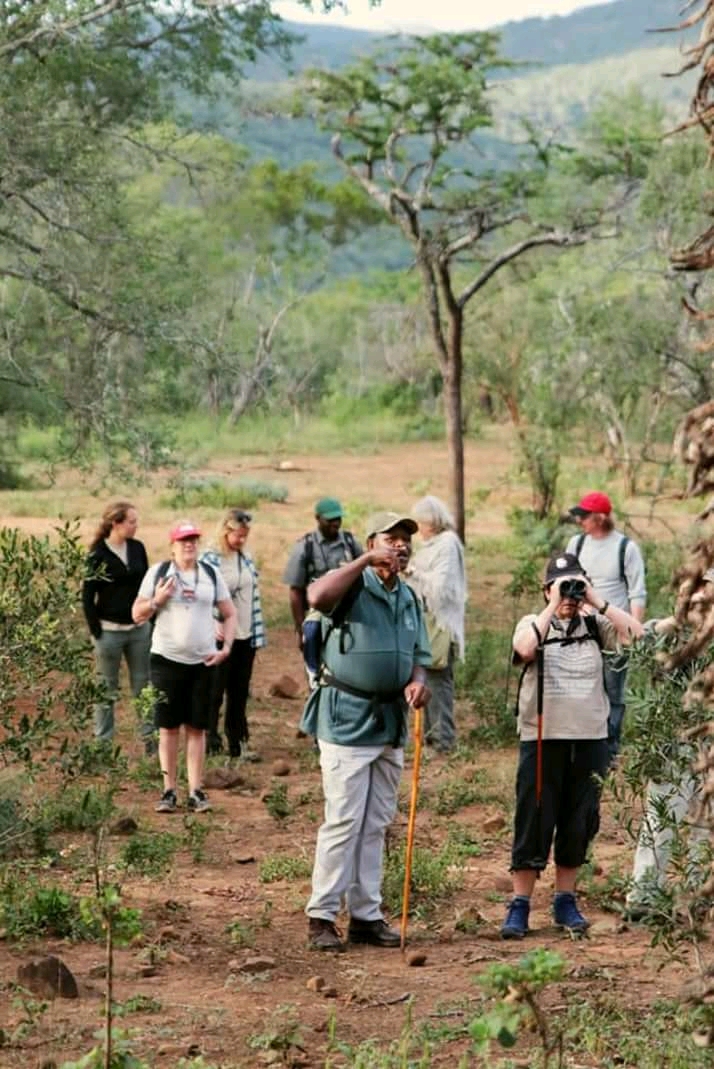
[
  {"x": 570, "y": 802},
  {"x": 232, "y": 679}
]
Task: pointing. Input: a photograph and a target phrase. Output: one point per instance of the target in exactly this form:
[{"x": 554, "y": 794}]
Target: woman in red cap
[{"x": 180, "y": 595}]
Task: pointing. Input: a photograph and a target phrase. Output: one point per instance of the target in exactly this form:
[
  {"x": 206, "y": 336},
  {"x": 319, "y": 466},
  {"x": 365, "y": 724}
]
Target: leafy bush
[
  {"x": 435, "y": 877},
  {"x": 214, "y": 492},
  {"x": 29, "y": 910},
  {"x": 485, "y": 676}
]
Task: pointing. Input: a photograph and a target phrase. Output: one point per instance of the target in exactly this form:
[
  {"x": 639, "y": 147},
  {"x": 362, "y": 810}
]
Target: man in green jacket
[{"x": 375, "y": 651}]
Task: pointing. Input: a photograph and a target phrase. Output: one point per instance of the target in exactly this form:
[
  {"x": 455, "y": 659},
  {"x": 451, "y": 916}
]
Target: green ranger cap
[{"x": 329, "y": 508}]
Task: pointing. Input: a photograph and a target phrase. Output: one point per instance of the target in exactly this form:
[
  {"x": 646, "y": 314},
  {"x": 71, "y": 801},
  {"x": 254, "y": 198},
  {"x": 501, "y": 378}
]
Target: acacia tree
[{"x": 414, "y": 126}]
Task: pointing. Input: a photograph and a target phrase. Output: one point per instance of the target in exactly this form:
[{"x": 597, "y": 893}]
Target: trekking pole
[
  {"x": 539, "y": 743},
  {"x": 411, "y": 825},
  {"x": 540, "y": 668}
]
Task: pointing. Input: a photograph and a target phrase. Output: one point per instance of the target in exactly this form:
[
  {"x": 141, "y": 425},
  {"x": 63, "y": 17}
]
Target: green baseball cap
[
  {"x": 329, "y": 508},
  {"x": 385, "y": 521}
]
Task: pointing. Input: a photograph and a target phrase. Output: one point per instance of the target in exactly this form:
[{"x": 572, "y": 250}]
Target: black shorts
[
  {"x": 570, "y": 802},
  {"x": 184, "y": 693}
]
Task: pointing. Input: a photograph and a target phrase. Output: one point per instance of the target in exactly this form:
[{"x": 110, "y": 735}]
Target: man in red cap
[
  {"x": 616, "y": 570},
  {"x": 180, "y": 595}
]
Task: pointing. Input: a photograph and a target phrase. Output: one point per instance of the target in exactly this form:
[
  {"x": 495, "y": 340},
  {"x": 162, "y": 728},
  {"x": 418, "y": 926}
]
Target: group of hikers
[{"x": 379, "y": 627}]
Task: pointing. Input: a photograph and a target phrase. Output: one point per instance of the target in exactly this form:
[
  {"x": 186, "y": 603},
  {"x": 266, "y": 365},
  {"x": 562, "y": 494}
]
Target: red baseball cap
[
  {"x": 595, "y": 501},
  {"x": 185, "y": 529}
]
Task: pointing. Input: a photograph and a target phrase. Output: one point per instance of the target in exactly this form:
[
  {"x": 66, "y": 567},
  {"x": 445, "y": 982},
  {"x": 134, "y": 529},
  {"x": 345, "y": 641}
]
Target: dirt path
[{"x": 207, "y": 997}]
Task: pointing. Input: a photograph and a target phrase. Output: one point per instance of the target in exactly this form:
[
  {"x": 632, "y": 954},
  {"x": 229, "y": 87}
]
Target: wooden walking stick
[{"x": 411, "y": 825}]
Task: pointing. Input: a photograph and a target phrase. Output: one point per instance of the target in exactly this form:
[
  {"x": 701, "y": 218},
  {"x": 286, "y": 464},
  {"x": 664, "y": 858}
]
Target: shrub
[
  {"x": 274, "y": 868},
  {"x": 214, "y": 492},
  {"x": 150, "y": 855},
  {"x": 435, "y": 876}
]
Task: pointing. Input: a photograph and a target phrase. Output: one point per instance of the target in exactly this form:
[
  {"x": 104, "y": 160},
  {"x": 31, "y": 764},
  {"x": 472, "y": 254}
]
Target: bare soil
[{"x": 208, "y": 1004}]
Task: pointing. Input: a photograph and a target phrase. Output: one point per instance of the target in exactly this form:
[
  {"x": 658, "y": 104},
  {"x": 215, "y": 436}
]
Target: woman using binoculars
[{"x": 562, "y": 724}]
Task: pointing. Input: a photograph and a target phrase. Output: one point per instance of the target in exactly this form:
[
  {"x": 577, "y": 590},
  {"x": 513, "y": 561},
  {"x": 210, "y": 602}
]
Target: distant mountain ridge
[{"x": 592, "y": 33}]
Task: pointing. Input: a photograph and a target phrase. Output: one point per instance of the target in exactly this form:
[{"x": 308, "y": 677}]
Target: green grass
[{"x": 282, "y": 867}]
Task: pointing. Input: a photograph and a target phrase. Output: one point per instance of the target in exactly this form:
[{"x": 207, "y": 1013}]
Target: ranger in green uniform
[{"x": 374, "y": 655}]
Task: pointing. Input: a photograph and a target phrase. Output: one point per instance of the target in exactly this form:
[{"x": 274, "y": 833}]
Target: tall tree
[{"x": 413, "y": 125}]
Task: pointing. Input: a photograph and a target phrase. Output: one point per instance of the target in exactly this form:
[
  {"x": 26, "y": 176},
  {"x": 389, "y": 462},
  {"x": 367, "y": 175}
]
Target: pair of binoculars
[{"x": 573, "y": 588}]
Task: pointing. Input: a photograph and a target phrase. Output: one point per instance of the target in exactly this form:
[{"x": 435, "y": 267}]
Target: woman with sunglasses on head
[{"x": 232, "y": 678}]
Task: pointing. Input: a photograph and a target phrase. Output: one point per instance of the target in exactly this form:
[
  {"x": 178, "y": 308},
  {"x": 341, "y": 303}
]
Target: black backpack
[
  {"x": 308, "y": 542},
  {"x": 622, "y": 550}
]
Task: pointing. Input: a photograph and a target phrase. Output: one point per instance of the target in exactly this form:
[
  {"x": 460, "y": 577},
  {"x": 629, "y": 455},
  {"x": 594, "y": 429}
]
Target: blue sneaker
[
  {"x": 515, "y": 925},
  {"x": 567, "y": 915}
]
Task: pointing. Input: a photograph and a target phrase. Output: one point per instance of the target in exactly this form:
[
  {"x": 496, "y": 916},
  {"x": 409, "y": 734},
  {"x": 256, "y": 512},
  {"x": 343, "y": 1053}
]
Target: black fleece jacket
[{"x": 110, "y": 589}]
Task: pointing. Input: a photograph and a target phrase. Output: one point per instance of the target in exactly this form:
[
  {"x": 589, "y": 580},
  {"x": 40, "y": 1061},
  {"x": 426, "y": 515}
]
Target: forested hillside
[{"x": 176, "y": 234}]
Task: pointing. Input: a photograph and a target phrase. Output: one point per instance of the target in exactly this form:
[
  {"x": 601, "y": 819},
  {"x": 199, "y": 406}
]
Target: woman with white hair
[{"x": 438, "y": 575}]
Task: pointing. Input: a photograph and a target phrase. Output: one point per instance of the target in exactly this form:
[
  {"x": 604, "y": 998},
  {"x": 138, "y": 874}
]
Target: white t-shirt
[
  {"x": 184, "y": 628},
  {"x": 239, "y": 580}
]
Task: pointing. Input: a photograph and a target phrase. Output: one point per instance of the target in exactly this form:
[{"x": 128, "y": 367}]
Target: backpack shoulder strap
[
  {"x": 579, "y": 545},
  {"x": 593, "y": 629},
  {"x": 308, "y": 544},
  {"x": 211, "y": 573},
  {"x": 161, "y": 572},
  {"x": 351, "y": 544},
  {"x": 623, "y": 550},
  {"x": 339, "y": 620}
]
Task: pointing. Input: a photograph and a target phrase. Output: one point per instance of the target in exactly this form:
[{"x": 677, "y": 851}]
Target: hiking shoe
[
  {"x": 198, "y": 802},
  {"x": 324, "y": 935},
  {"x": 567, "y": 915},
  {"x": 167, "y": 802},
  {"x": 515, "y": 925},
  {"x": 376, "y": 933}
]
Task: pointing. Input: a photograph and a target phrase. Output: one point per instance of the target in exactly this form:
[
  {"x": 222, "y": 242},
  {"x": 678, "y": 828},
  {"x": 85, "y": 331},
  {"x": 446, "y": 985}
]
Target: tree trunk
[{"x": 452, "y": 373}]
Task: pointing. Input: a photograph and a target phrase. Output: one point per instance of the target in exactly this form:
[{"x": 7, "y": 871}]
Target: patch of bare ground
[{"x": 218, "y": 998}]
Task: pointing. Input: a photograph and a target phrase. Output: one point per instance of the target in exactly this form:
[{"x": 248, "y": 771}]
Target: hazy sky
[{"x": 442, "y": 15}]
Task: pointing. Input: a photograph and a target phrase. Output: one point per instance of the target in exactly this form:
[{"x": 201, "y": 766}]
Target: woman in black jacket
[{"x": 116, "y": 565}]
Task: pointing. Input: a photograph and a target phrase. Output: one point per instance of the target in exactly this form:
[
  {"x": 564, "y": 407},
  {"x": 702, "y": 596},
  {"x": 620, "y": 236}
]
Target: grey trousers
[
  {"x": 654, "y": 844},
  {"x": 133, "y": 646},
  {"x": 361, "y": 785},
  {"x": 439, "y": 725}
]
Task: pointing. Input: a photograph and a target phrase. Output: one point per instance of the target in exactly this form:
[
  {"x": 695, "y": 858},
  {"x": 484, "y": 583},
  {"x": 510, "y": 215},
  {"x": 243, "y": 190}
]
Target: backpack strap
[
  {"x": 623, "y": 550},
  {"x": 351, "y": 544},
  {"x": 161, "y": 573},
  {"x": 308, "y": 545},
  {"x": 163, "y": 568}
]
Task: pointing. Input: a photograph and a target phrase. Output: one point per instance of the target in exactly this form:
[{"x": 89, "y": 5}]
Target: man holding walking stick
[
  {"x": 374, "y": 654},
  {"x": 562, "y": 722}
]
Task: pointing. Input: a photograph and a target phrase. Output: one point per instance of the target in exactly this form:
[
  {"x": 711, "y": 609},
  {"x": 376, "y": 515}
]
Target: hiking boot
[
  {"x": 515, "y": 925},
  {"x": 198, "y": 802},
  {"x": 214, "y": 745},
  {"x": 167, "y": 802},
  {"x": 567, "y": 915},
  {"x": 324, "y": 935},
  {"x": 376, "y": 933}
]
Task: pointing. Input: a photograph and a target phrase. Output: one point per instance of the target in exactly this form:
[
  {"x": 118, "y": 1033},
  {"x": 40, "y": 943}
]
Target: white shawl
[{"x": 439, "y": 577}]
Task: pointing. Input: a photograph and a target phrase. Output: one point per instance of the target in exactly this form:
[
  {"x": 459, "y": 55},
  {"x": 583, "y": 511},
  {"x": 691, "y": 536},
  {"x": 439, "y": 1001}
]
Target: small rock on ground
[{"x": 48, "y": 978}]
